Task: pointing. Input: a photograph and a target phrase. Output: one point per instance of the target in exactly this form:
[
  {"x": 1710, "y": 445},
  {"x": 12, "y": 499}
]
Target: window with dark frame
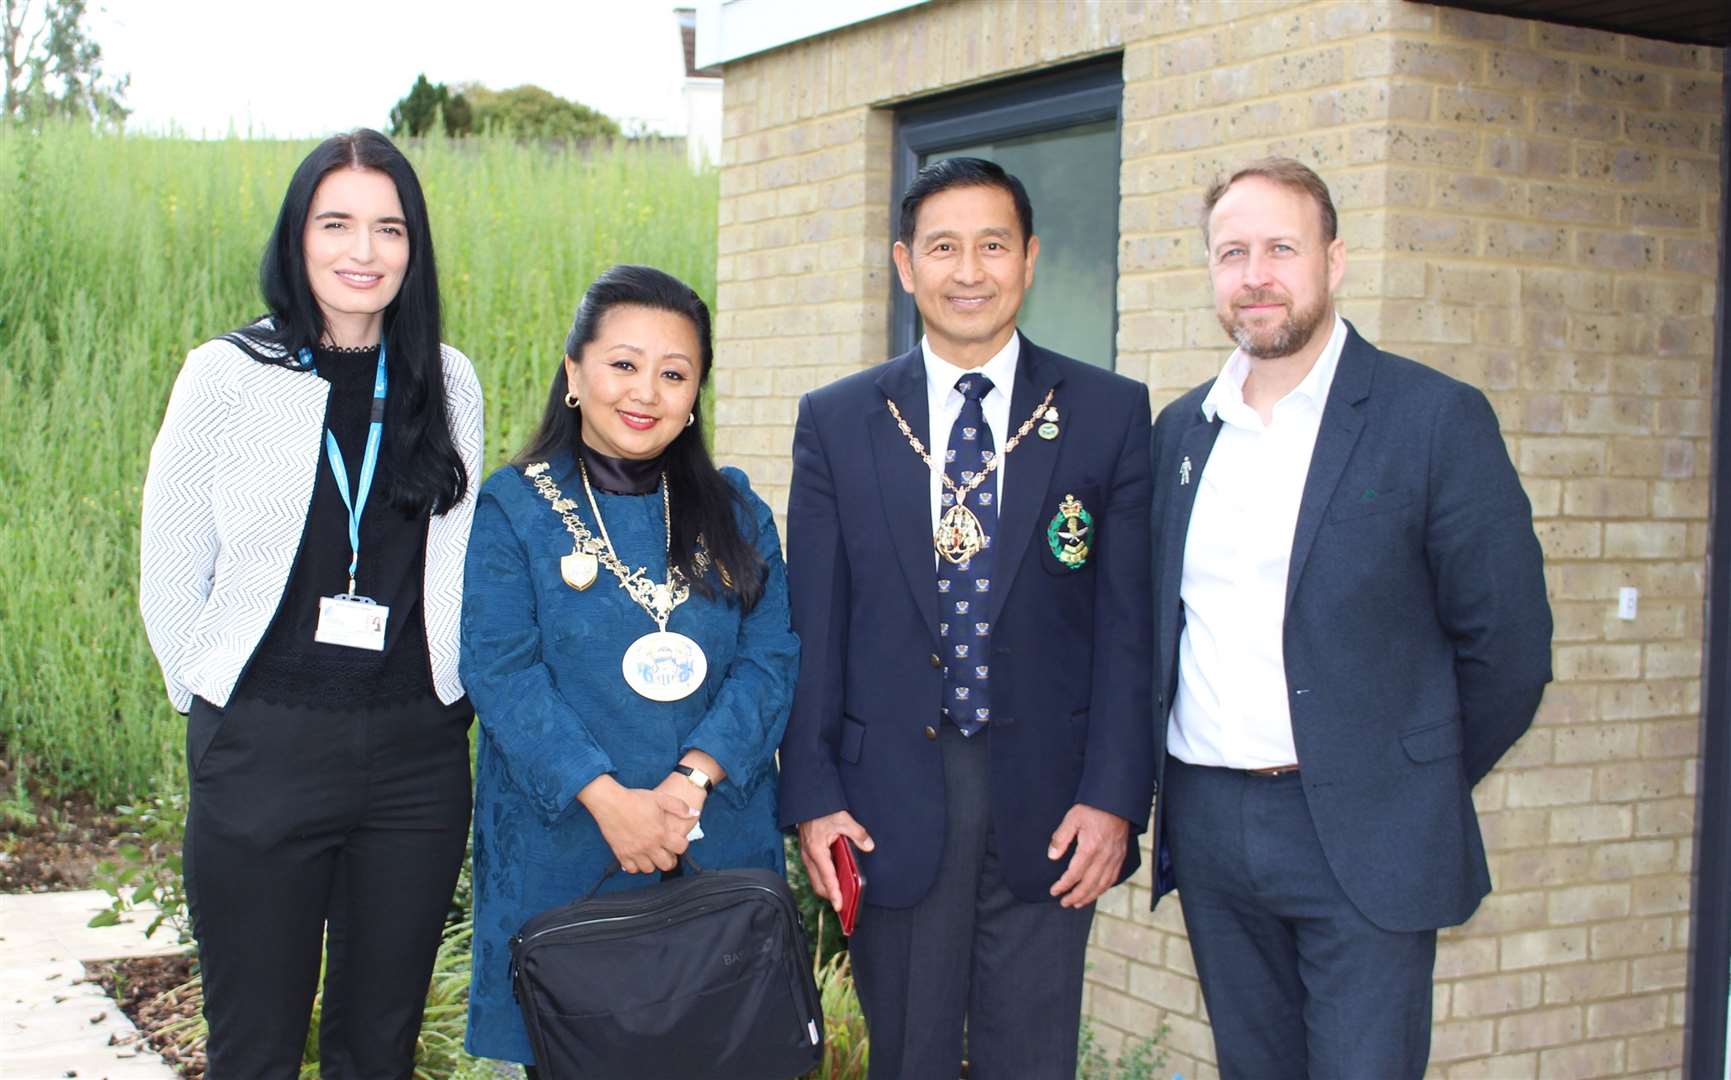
[{"x": 1059, "y": 133}]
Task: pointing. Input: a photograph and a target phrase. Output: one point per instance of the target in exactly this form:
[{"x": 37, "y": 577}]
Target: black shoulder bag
[{"x": 704, "y": 975}]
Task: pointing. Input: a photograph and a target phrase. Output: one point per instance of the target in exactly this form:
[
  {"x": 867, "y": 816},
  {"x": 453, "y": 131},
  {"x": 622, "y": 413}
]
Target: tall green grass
[{"x": 119, "y": 254}]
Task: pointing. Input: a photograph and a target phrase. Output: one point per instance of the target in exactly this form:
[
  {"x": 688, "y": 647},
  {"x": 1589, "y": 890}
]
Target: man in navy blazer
[
  {"x": 1352, "y": 628},
  {"x": 969, "y": 563}
]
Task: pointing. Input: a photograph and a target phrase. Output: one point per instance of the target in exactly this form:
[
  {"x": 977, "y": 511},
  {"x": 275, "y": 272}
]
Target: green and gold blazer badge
[{"x": 1071, "y": 533}]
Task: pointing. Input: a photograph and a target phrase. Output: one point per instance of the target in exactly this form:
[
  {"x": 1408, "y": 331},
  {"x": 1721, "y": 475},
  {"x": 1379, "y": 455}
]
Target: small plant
[
  {"x": 846, "y": 1044},
  {"x": 17, "y": 811},
  {"x": 149, "y": 867},
  {"x": 1137, "y": 1060}
]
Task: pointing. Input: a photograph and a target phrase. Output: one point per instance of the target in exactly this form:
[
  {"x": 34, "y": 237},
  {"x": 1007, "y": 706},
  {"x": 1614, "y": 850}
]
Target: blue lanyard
[{"x": 369, "y": 464}]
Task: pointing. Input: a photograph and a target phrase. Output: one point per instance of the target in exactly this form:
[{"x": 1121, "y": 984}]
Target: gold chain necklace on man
[
  {"x": 661, "y": 666},
  {"x": 960, "y": 536}
]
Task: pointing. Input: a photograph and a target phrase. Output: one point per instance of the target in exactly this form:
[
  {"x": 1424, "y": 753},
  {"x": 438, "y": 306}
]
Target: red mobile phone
[{"x": 852, "y": 881}]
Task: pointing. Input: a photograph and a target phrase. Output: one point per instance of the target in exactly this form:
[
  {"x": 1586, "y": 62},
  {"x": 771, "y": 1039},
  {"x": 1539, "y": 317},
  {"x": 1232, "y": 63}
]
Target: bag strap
[{"x": 686, "y": 862}]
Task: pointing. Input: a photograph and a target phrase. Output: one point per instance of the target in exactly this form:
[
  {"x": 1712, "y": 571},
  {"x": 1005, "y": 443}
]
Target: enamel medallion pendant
[
  {"x": 960, "y": 536},
  {"x": 664, "y": 666},
  {"x": 579, "y": 569}
]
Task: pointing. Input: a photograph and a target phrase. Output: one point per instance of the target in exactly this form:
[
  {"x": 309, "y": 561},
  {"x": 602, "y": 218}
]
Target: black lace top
[{"x": 289, "y": 667}]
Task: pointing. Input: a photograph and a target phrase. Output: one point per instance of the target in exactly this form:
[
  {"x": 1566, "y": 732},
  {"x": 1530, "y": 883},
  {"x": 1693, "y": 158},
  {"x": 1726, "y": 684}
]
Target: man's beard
[{"x": 1292, "y": 334}]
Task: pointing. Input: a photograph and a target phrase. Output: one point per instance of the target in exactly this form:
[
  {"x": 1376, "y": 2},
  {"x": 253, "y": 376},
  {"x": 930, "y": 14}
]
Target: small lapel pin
[{"x": 1184, "y": 471}]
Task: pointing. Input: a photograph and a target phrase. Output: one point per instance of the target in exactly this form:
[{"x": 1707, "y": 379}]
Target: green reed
[{"x": 119, "y": 254}]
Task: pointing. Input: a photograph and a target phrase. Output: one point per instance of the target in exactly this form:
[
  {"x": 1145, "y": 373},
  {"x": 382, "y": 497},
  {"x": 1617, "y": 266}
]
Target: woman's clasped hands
[{"x": 646, "y": 828}]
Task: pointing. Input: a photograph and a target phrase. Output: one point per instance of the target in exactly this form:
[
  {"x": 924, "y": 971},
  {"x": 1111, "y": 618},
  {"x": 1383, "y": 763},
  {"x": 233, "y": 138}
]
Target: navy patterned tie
[{"x": 965, "y": 588}]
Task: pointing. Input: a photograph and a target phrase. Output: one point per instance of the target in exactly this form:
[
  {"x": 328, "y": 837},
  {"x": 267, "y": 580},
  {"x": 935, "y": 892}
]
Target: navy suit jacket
[
  {"x": 1417, "y": 632},
  {"x": 1071, "y": 682}
]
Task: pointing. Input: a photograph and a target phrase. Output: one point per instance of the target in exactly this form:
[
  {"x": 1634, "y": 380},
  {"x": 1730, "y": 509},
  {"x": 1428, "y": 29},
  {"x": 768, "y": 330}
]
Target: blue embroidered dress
[{"x": 541, "y": 662}]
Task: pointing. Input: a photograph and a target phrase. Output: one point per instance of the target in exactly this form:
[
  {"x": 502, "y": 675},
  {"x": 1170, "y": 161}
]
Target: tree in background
[
  {"x": 529, "y": 112},
  {"x": 523, "y": 112},
  {"x": 428, "y": 104},
  {"x": 57, "y": 69}
]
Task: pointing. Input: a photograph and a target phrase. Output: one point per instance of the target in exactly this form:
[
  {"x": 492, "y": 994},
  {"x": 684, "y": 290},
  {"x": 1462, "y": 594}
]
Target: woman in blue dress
[{"x": 625, "y": 638}]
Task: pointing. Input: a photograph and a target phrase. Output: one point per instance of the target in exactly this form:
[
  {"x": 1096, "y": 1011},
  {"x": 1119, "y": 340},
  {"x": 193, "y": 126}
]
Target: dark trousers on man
[
  {"x": 971, "y": 955},
  {"x": 306, "y": 827},
  {"x": 1299, "y": 984}
]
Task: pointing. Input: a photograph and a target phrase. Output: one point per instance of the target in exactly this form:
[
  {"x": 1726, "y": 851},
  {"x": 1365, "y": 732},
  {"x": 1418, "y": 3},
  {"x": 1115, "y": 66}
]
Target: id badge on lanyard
[
  {"x": 349, "y": 619},
  {"x": 354, "y": 621}
]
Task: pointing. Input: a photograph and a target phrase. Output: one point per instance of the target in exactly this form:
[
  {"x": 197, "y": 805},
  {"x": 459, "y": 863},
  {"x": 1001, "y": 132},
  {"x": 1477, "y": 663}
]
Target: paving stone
[{"x": 53, "y": 1024}]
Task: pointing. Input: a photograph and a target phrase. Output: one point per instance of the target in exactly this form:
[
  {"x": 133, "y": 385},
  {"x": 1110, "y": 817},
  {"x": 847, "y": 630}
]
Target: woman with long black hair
[
  {"x": 625, "y": 638},
  {"x": 305, "y": 516}
]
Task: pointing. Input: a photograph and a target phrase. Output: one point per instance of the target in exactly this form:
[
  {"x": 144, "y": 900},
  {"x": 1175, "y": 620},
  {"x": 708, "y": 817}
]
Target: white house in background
[{"x": 699, "y": 95}]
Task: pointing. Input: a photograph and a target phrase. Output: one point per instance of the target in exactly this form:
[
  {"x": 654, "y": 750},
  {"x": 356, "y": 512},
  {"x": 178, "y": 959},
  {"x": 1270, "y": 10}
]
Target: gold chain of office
[
  {"x": 657, "y": 599},
  {"x": 960, "y": 536}
]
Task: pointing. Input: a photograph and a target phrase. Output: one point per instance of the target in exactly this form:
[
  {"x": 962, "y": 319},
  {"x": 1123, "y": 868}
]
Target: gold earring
[
  {"x": 690, "y": 418},
  {"x": 571, "y": 401}
]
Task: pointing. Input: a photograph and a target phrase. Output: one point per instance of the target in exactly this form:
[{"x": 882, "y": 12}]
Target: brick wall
[{"x": 1530, "y": 208}]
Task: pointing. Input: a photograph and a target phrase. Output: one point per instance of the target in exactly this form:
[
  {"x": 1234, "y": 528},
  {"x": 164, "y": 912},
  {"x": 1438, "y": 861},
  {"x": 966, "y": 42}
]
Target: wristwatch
[{"x": 696, "y": 776}]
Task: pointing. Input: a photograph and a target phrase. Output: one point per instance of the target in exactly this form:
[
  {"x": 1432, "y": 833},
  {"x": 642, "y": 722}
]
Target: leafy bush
[
  {"x": 1137, "y": 1060},
  {"x": 149, "y": 870},
  {"x": 846, "y": 1045},
  {"x": 529, "y": 112}
]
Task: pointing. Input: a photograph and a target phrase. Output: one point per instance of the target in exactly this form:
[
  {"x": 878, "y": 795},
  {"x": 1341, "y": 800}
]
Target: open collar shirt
[
  {"x": 1231, "y": 709},
  {"x": 944, "y": 404}
]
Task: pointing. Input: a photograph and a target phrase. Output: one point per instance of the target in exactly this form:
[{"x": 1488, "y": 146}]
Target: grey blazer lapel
[
  {"x": 1342, "y": 423},
  {"x": 904, "y": 481}
]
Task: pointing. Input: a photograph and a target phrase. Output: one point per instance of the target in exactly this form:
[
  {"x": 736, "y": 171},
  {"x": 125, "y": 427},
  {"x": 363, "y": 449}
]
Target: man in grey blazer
[{"x": 1351, "y": 628}]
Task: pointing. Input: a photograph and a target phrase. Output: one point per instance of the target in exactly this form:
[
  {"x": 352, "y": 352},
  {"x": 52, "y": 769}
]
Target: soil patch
[
  {"x": 149, "y": 990},
  {"x": 50, "y": 844}
]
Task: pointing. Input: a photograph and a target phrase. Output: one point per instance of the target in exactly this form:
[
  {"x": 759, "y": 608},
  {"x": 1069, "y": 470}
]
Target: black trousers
[
  {"x": 1299, "y": 984},
  {"x": 971, "y": 956},
  {"x": 307, "y": 827}
]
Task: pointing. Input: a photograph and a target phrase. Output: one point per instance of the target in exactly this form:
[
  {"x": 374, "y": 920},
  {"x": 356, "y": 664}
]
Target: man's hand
[
  {"x": 1100, "y": 838},
  {"x": 814, "y": 840}
]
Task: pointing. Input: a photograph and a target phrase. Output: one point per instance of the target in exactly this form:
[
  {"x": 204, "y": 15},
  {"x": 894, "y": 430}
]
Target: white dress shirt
[
  {"x": 944, "y": 404},
  {"x": 1232, "y": 708}
]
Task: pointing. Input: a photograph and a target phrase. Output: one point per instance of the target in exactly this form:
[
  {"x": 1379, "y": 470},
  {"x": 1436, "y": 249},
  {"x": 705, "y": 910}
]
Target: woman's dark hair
[
  {"x": 962, "y": 172},
  {"x": 705, "y": 504},
  {"x": 419, "y": 463}
]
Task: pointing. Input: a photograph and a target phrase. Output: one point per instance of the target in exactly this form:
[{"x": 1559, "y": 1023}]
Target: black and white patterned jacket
[{"x": 230, "y": 483}]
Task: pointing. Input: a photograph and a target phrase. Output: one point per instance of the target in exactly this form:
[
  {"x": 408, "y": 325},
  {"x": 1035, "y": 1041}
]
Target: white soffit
[{"x": 731, "y": 29}]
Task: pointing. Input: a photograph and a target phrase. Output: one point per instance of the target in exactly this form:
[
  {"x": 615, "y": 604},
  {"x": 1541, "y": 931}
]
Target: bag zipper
[{"x": 600, "y": 920}]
